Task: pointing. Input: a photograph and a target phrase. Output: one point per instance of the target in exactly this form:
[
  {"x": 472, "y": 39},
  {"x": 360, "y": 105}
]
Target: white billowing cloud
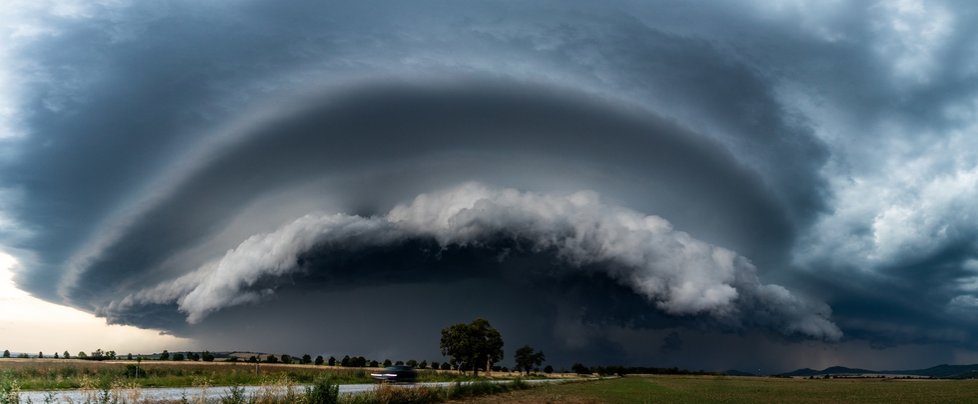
[
  {"x": 916, "y": 201},
  {"x": 681, "y": 275}
]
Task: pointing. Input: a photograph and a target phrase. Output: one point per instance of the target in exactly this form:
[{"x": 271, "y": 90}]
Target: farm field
[
  {"x": 30, "y": 374},
  {"x": 729, "y": 389}
]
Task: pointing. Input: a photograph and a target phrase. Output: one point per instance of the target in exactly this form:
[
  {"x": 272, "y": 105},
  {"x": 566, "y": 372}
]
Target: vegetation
[
  {"x": 384, "y": 394},
  {"x": 527, "y": 359},
  {"x": 323, "y": 389},
  {"x": 48, "y": 374},
  {"x": 472, "y": 346},
  {"x": 734, "y": 389}
]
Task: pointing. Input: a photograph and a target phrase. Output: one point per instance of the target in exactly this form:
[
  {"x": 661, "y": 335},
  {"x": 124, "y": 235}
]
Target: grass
[
  {"x": 726, "y": 389},
  {"x": 322, "y": 391},
  {"x": 77, "y": 374}
]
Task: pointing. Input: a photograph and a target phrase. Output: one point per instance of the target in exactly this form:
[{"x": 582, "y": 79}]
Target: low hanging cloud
[
  {"x": 681, "y": 275},
  {"x": 140, "y": 141}
]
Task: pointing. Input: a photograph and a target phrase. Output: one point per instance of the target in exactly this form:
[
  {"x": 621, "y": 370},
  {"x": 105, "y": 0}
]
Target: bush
[
  {"x": 387, "y": 394},
  {"x": 323, "y": 391},
  {"x": 9, "y": 391},
  {"x": 476, "y": 388},
  {"x": 235, "y": 395}
]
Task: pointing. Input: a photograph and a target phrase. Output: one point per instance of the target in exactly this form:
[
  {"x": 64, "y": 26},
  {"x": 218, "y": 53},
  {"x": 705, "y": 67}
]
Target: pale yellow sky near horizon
[{"x": 32, "y": 325}]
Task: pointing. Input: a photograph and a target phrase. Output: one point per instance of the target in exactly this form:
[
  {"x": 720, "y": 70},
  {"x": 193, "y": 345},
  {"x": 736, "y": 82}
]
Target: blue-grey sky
[{"x": 733, "y": 184}]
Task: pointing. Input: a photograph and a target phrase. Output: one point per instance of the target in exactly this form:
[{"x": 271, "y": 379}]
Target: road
[{"x": 212, "y": 393}]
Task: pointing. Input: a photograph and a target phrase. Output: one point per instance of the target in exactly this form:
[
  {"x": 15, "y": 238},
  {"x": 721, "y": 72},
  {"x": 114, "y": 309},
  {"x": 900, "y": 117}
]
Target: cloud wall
[{"x": 681, "y": 275}]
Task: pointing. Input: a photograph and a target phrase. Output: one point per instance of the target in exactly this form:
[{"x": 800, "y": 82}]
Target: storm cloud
[
  {"x": 597, "y": 179},
  {"x": 681, "y": 275}
]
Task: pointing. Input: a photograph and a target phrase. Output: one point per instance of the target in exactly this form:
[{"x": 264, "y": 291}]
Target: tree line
[{"x": 471, "y": 347}]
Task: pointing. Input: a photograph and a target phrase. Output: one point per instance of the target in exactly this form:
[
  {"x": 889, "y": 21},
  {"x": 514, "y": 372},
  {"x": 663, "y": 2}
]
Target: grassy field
[
  {"x": 698, "y": 389},
  {"x": 45, "y": 374}
]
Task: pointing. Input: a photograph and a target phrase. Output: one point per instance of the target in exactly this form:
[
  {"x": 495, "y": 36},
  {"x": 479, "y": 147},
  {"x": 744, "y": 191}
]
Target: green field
[
  {"x": 699, "y": 389},
  {"x": 32, "y": 374}
]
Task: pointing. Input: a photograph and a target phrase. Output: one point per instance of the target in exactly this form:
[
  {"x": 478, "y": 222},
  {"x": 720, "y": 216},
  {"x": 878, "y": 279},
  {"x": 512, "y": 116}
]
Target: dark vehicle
[{"x": 396, "y": 374}]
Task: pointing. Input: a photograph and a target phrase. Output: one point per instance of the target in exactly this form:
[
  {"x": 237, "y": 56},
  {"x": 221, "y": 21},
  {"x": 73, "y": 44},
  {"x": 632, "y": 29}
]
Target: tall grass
[
  {"x": 77, "y": 375},
  {"x": 386, "y": 394},
  {"x": 273, "y": 389}
]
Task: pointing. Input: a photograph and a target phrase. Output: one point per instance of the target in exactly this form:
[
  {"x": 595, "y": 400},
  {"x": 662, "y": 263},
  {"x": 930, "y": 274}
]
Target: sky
[{"x": 759, "y": 185}]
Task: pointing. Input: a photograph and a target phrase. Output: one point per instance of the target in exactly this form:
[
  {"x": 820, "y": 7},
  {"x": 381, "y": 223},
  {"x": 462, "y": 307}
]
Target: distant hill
[
  {"x": 944, "y": 371},
  {"x": 940, "y": 371}
]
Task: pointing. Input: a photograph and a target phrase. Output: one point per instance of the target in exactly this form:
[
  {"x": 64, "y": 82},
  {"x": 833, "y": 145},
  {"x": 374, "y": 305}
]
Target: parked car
[{"x": 396, "y": 374}]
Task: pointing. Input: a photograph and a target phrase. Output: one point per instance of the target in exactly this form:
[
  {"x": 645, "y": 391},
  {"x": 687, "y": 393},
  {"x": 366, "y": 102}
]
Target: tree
[
  {"x": 55, "y": 355},
  {"x": 271, "y": 359},
  {"x": 374, "y": 364},
  {"x": 286, "y": 359},
  {"x": 387, "y": 363},
  {"x": 129, "y": 356},
  {"x": 527, "y": 359},
  {"x": 208, "y": 356},
  {"x": 332, "y": 361},
  {"x": 345, "y": 361},
  {"x": 423, "y": 364},
  {"x": 435, "y": 365},
  {"x": 178, "y": 356},
  {"x": 446, "y": 366},
  {"x": 66, "y": 355},
  {"x": 476, "y": 345},
  {"x": 319, "y": 360},
  {"x": 165, "y": 355},
  {"x": 580, "y": 369},
  {"x": 253, "y": 359},
  {"x": 82, "y": 355},
  {"x": 40, "y": 355},
  {"x": 548, "y": 370},
  {"x": 6, "y": 353},
  {"x": 306, "y": 359}
]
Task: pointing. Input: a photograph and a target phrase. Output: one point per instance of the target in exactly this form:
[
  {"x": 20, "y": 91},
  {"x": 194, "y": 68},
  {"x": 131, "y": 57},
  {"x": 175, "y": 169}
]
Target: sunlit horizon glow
[{"x": 31, "y": 325}]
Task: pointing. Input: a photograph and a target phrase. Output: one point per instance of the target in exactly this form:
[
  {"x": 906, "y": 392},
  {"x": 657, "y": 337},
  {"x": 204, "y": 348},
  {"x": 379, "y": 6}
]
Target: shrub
[
  {"x": 323, "y": 391},
  {"x": 235, "y": 395}
]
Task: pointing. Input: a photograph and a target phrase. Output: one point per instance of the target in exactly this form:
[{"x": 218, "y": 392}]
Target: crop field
[{"x": 699, "y": 389}]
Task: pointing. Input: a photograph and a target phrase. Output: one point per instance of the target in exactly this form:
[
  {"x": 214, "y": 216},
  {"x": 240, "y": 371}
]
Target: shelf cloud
[
  {"x": 682, "y": 276},
  {"x": 795, "y": 180}
]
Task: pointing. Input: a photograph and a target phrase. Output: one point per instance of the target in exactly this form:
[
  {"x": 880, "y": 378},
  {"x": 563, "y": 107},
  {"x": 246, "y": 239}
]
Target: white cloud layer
[{"x": 681, "y": 275}]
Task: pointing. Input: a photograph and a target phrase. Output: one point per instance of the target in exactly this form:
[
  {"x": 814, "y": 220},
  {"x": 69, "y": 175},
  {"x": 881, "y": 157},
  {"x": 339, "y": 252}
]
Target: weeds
[
  {"x": 235, "y": 395},
  {"x": 323, "y": 391},
  {"x": 9, "y": 391},
  {"x": 271, "y": 390}
]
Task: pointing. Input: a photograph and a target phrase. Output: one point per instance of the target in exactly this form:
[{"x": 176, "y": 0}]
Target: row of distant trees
[
  {"x": 98, "y": 355},
  {"x": 625, "y": 370},
  {"x": 470, "y": 347},
  {"x": 346, "y": 361}
]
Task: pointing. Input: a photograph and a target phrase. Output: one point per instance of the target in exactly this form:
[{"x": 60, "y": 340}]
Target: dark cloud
[
  {"x": 672, "y": 342},
  {"x": 824, "y": 146},
  {"x": 471, "y": 129}
]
